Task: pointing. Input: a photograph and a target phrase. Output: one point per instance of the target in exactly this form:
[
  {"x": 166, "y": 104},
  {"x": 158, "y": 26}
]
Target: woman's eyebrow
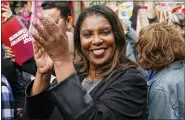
[
  {"x": 86, "y": 30},
  {"x": 99, "y": 29},
  {"x": 106, "y": 28}
]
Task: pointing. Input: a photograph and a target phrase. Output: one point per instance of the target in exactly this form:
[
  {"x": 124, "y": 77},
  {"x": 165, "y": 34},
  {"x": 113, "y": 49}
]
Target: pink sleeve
[{"x": 36, "y": 7}]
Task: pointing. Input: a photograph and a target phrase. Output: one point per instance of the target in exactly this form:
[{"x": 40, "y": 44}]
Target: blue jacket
[
  {"x": 131, "y": 37},
  {"x": 166, "y": 97}
]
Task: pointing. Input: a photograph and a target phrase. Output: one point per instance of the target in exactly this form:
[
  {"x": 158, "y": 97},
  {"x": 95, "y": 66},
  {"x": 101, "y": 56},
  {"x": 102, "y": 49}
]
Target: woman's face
[{"x": 97, "y": 40}]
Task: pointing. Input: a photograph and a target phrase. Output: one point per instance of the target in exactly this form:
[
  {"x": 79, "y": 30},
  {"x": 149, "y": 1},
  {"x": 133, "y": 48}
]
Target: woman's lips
[{"x": 98, "y": 52}]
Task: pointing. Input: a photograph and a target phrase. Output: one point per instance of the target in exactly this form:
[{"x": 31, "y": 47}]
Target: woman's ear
[
  {"x": 69, "y": 24},
  {"x": 69, "y": 19}
]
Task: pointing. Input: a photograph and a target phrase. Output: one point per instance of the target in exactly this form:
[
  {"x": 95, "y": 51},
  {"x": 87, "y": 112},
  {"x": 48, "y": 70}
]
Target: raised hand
[
  {"x": 43, "y": 61},
  {"x": 53, "y": 38},
  {"x": 7, "y": 12}
]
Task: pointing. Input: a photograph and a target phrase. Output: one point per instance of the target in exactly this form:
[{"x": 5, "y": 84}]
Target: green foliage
[{"x": 105, "y": 2}]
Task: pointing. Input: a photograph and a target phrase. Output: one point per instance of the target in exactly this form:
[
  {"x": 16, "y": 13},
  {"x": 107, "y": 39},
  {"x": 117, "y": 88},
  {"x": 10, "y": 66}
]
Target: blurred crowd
[{"x": 117, "y": 63}]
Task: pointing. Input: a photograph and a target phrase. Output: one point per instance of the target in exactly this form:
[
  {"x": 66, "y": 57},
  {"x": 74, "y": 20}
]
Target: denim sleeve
[
  {"x": 159, "y": 105},
  {"x": 131, "y": 40}
]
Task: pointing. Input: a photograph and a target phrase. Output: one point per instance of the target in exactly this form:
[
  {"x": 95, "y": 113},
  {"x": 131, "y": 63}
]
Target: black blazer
[{"x": 122, "y": 96}]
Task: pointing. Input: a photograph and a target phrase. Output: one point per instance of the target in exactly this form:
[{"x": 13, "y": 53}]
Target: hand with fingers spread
[
  {"x": 43, "y": 61},
  {"x": 53, "y": 38},
  {"x": 50, "y": 49},
  {"x": 9, "y": 54}
]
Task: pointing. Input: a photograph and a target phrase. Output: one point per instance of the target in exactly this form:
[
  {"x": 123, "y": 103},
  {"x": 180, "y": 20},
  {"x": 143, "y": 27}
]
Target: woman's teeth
[{"x": 98, "y": 52}]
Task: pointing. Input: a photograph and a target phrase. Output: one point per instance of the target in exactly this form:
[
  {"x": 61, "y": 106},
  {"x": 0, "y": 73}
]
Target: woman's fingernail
[
  {"x": 39, "y": 14},
  {"x": 33, "y": 22}
]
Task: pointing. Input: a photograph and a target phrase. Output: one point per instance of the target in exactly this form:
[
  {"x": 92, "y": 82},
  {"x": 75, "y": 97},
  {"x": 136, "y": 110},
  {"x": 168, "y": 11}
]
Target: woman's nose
[{"x": 97, "y": 40}]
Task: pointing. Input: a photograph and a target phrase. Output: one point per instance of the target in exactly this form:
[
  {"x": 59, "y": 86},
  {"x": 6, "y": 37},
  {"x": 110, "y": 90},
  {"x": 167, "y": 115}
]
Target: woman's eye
[
  {"x": 105, "y": 32},
  {"x": 87, "y": 35}
]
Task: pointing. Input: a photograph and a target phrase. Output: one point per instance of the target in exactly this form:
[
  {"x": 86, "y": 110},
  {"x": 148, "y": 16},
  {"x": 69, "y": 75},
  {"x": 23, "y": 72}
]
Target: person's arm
[
  {"x": 41, "y": 83},
  {"x": 71, "y": 44},
  {"x": 160, "y": 109},
  {"x": 38, "y": 100},
  {"x": 131, "y": 38},
  {"x": 125, "y": 98},
  {"x": 151, "y": 12},
  {"x": 6, "y": 13},
  {"x": 7, "y": 100}
]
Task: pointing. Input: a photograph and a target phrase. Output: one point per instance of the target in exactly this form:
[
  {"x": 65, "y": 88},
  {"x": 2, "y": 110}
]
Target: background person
[{"x": 161, "y": 50}]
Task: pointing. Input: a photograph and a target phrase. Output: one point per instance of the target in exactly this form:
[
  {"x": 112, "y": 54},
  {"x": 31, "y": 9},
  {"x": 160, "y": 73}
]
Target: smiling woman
[
  {"x": 103, "y": 85},
  {"x": 97, "y": 33},
  {"x": 97, "y": 41}
]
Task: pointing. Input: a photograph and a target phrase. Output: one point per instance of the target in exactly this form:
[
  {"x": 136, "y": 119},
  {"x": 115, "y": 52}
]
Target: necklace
[
  {"x": 89, "y": 85},
  {"x": 95, "y": 76}
]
